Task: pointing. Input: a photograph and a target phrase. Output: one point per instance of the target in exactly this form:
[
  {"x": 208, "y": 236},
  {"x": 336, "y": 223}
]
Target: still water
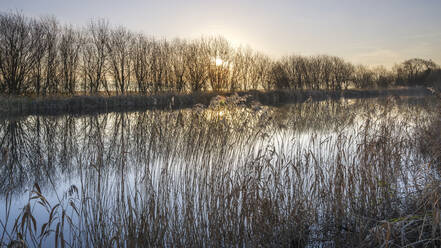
[{"x": 217, "y": 176}]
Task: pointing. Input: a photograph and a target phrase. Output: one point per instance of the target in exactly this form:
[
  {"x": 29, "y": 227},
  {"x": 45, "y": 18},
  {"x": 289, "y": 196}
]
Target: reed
[{"x": 230, "y": 175}]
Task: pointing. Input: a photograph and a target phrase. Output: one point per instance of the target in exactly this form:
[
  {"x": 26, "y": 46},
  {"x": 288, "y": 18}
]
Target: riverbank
[{"x": 23, "y": 106}]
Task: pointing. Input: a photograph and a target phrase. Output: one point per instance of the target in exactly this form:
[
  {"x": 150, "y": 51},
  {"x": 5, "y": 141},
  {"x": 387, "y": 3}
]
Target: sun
[{"x": 219, "y": 61}]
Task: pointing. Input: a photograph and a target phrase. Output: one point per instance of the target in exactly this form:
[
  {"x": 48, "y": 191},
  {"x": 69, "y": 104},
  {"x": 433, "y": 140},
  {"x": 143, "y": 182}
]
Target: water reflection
[{"x": 217, "y": 176}]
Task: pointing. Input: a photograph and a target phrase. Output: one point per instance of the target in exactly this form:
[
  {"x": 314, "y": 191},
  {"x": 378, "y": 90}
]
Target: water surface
[{"x": 218, "y": 176}]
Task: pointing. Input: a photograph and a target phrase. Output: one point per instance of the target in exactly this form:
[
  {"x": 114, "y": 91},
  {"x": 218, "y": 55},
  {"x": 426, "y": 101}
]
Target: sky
[{"x": 371, "y": 32}]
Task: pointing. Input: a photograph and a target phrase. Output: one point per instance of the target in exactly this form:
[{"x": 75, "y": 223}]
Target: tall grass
[{"x": 318, "y": 174}]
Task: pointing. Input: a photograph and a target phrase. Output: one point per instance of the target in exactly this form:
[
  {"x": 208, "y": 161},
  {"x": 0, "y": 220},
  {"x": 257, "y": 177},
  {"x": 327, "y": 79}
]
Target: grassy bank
[{"x": 22, "y": 106}]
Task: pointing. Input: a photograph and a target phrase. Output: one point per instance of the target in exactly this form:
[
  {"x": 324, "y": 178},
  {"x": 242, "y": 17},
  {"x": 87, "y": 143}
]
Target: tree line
[{"x": 39, "y": 56}]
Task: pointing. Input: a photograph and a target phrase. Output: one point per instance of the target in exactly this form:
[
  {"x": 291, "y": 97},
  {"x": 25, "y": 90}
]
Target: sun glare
[{"x": 219, "y": 61}]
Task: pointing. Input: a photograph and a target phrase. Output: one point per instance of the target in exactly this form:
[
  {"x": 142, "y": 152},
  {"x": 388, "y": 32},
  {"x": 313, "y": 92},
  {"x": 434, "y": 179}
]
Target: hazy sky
[{"x": 369, "y": 32}]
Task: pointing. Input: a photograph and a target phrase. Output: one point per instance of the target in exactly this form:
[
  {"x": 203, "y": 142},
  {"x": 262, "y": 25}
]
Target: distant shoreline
[{"x": 13, "y": 106}]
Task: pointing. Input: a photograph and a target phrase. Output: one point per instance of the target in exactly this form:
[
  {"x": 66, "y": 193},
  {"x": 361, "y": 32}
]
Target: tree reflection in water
[{"x": 304, "y": 173}]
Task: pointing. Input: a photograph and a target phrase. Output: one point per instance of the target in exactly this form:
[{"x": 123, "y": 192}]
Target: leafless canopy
[{"x": 39, "y": 56}]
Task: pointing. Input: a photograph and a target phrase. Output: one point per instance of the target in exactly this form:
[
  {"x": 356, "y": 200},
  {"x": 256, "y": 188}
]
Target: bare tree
[
  {"x": 159, "y": 56},
  {"x": 220, "y": 61},
  {"x": 326, "y": 72},
  {"x": 363, "y": 77},
  {"x": 417, "y": 70},
  {"x": 315, "y": 67},
  {"x": 50, "y": 69},
  {"x": 383, "y": 77},
  {"x": 297, "y": 74},
  {"x": 17, "y": 53},
  {"x": 69, "y": 50},
  {"x": 94, "y": 57},
  {"x": 178, "y": 66},
  {"x": 36, "y": 74},
  {"x": 38, "y": 56},
  {"x": 140, "y": 51},
  {"x": 263, "y": 65},
  {"x": 279, "y": 76},
  {"x": 236, "y": 70},
  {"x": 247, "y": 64},
  {"x": 197, "y": 60},
  {"x": 118, "y": 47}
]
